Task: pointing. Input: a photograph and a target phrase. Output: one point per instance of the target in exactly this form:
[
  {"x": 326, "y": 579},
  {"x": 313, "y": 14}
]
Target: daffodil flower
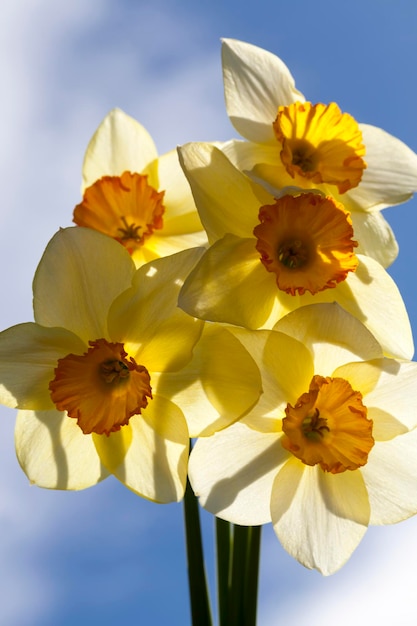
[
  {"x": 329, "y": 448},
  {"x": 294, "y": 142},
  {"x": 129, "y": 193},
  {"x": 269, "y": 256},
  {"x": 95, "y": 376}
]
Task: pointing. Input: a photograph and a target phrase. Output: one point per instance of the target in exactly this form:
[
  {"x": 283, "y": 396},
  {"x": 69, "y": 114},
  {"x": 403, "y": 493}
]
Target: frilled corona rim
[
  {"x": 328, "y": 425},
  {"x": 124, "y": 207},
  {"x": 102, "y": 388},
  {"x": 321, "y": 144},
  {"x": 306, "y": 240}
]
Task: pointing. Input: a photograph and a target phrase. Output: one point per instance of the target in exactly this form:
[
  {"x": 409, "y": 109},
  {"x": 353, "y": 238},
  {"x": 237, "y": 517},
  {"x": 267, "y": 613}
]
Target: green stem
[
  {"x": 199, "y": 599},
  {"x": 244, "y": 576},
  {"x": 252, "y": 575},
  {"x": 223, "y": 545}
]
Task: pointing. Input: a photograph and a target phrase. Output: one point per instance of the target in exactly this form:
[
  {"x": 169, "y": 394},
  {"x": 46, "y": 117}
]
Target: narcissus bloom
[
  {"x": 294, "y": 142},
  {"x": 96, "y": 375},
  {"x": 129, "y": 193},
  {"x": 329, "y": 448},
  {"x": 269, "y": 256}
]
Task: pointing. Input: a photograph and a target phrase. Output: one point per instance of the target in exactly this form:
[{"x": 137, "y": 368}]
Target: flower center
[
  {"x": 306, "y": 240},
  {"x": 124, "y": 207},
  {"x": 329, "y": 426},
  {"x": 102, "y": 389},
  {"x": 320, "y": 143}
]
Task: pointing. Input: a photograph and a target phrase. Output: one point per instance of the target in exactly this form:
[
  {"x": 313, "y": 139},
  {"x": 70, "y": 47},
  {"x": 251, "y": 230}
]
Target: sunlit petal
[
  {"x": 54, "y": 453},
  {"x": 28, "y": 356},
  {"x": 219, "y": 385},
  {"x": 319, "y": 518},
  {"x": 119, "y": 144},
  {"x": 233, "y": 470},
  {"x": 85, "y": 271},
  {"x": 152, "y": 458},
  {"x": 147, "y": 319},
  {"x": 256, "y": 82}
]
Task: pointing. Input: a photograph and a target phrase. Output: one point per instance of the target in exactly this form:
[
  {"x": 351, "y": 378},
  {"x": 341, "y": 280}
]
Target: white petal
[
  {"x": 152, "y": 459},
  {"x": 391, "y": 478},
  {"x": 256, "y": 83},
  {"x": 375, "y": 237},
  {"x": 319, "y": 518},
  {"x": 391, "y": 173},
  {"x": 119, "y": 144},
  {"x": 232, "y": 472},
  {"x": 54, "y": 452},
  {"x": 373, "y": 297}
]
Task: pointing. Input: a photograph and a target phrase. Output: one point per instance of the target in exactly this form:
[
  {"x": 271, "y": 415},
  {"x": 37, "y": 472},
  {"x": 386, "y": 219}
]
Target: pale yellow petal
[
  {"x": 28, "y": 357},
  {"x": 54, "y": 453},
  {"x": 220, "y": 384},
  {"x": 391, "y": 479},
  {"x": 152, "y": 458},
  {"x": 146, "y": 317},
  {"x": 180, "y": 215},
  {"x": 373, "y": 297},
  {"x": 286, "y": 367},
  {"x": 375, "y": 237},
  {"x": 227, "y": 201},
  {"x": 232, "y": 473},
  {"x": 391, "y": 173},
  {"x": 80, "y": 274},
  {"x": 256, "y": 83},
  {"x": 319, "y": 517},
  {"x": 389, "y": 392},
  {"x": 332, "y": 335},
  {"x": 119, "y": 144}
]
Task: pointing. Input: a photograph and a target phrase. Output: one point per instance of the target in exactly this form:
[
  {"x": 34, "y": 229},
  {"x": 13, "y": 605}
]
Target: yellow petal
[
  {"x": 119, "y": 144},
  {"x": 230, "y": 285},
  {"x": 181, "y": 215},
  {"x": 227, "y": 201},
  {"x": 80, "y": 274},
  {"x": 332, "y": 336},
  {"x": 219, "y": 384},
  {"x": 54, "y": 453},
  {"x": 147, "y": 319},
  {"x": 286, "y": 367}
]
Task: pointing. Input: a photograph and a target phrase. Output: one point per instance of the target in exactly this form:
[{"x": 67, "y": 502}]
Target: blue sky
[{"x": 104, "y": 555}]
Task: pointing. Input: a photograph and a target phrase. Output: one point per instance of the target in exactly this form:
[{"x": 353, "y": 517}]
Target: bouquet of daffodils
[{"x": 219, "y": 327}]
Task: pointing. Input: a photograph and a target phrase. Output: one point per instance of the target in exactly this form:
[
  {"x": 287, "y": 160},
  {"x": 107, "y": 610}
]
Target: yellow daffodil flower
[
  {"x": 95, "y": 376},
  {"x": 129, "y": 193},
  {"x": 269, "y": 256},
  {"x": 294, "y": 142},
  {"x": 329, "y": 448}
]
